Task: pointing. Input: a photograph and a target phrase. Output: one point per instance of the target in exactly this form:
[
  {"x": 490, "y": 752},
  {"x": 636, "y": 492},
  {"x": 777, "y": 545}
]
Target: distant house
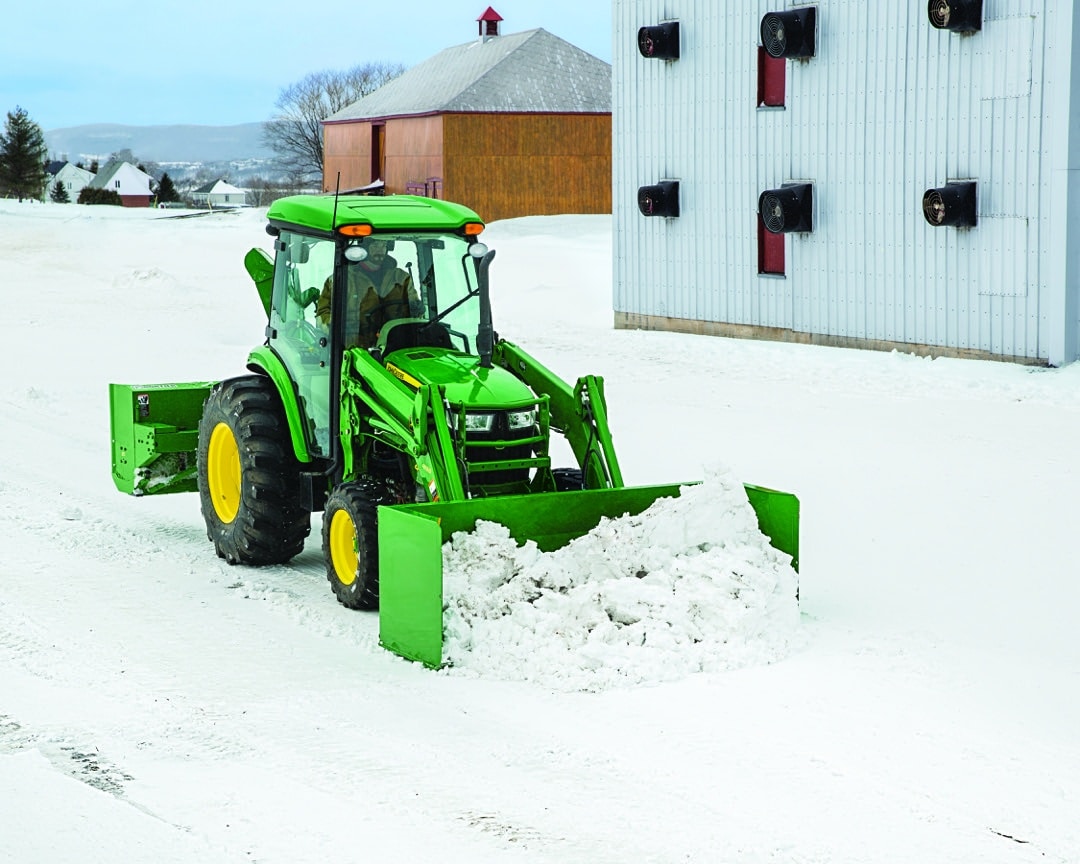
[
  {"x": 219, "y": 194},
  {"x": 510, "y": 125},
  {"x": 131, "y": 184},
  {"x": 71, "y": 177}
]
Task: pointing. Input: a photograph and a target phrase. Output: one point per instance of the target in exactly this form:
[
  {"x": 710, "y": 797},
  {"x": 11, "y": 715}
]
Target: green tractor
[{"x": 383, "y": 398}]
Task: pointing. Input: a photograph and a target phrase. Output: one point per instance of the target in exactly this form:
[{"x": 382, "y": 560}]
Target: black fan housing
[
  {"x": 659, "y": 200},
  {"x": 660, "y": 42},
  {"x": 789, "y": 33},
  {"x": 789, "y": 209},
  {"x": 960, "y": 16},
  {"x": 952, "y": 204}
]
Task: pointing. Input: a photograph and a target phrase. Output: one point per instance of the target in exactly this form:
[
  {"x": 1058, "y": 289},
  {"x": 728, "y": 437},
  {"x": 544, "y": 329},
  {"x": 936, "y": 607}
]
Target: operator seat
[{"x": 413, "y": 334}]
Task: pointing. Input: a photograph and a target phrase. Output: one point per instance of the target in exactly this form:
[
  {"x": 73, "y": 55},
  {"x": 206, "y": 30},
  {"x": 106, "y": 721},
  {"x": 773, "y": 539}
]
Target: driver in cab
[{"x": 378, "y": 291}]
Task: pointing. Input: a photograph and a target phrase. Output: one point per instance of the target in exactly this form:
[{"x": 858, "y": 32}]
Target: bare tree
[
  {"x": 295, "y": 133},
  {"x": 262, "y": 192},
  {"x": 186, "y": 185},
  {"x": 147, "y": 167}
]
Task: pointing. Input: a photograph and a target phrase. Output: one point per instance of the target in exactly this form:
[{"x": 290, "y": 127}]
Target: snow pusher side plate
[
  {"x": 155, "y": 435},
  {"x": 411, "y": 537}
]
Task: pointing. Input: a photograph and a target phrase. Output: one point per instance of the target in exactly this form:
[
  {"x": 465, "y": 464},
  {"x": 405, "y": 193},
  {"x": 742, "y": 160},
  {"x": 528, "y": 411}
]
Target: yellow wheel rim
[
  {"x": 223, "y": 473},
  {"x": 343, "y": 547}
]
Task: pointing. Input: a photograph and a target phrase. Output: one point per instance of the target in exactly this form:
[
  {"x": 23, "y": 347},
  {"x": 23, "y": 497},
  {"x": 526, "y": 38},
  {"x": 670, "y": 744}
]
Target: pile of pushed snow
[{"x": 689, "y": 585}]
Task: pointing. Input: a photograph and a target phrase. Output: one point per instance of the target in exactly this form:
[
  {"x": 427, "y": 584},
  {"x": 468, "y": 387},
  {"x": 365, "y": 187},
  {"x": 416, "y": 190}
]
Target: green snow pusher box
[
  {"x": 411, "y": 537},
  {"x": 155, "y": 436}
]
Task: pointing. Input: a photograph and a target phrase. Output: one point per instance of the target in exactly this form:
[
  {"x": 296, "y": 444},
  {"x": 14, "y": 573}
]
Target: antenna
[{"x": 337, "y": 189}]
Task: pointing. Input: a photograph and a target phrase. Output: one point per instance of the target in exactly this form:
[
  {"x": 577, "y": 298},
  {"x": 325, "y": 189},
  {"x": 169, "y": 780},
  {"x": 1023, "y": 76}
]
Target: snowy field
[{"x": 156, "y": 705}]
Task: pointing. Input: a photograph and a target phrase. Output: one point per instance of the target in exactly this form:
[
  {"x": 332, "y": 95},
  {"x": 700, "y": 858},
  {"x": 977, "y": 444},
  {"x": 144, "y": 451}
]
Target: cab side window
[{"x": 301, "y": 267}]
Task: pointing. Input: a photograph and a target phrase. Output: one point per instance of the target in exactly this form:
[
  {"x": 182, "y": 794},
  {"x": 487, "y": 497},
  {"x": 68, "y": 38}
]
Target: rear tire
[
  {"x": 350, "y": 541},
  {"x": 249, "y": 477}
]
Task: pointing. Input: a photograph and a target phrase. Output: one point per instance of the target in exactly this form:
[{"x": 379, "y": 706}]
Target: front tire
[
  {"x": 350, "y": 541},
  {"x": 249, "y": 477}
]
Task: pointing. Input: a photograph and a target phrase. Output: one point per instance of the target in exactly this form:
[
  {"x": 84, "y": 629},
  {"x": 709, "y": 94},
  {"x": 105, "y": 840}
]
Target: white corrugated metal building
[{"x": 888, "y": 107}]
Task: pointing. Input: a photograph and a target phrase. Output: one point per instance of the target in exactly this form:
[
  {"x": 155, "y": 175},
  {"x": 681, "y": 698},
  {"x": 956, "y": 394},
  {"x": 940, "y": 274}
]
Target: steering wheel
[{"x": 302, "y": 330}]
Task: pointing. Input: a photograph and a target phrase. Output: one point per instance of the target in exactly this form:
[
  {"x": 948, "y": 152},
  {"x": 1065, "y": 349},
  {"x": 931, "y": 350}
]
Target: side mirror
[{"x": 478, "y": 250}]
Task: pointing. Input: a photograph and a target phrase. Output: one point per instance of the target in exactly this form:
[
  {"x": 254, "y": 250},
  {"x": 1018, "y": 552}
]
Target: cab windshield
[
  {"x": 427, "y": 279},
  {"x": 424, "y": 277}
]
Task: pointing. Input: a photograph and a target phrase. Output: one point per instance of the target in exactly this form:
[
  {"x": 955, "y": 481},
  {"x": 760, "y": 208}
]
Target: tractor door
[{"x": 298, "y": 333}]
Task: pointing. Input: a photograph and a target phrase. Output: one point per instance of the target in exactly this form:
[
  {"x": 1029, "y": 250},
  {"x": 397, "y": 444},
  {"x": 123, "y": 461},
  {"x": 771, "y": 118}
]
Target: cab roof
[{"x": 382, "y": 213}]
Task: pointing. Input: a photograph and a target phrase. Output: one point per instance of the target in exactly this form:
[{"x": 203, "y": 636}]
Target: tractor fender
[{"x": 264, "y": 361}]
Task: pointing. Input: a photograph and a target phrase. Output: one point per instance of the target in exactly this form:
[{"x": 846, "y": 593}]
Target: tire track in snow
[{"x": 83, "y": 762}]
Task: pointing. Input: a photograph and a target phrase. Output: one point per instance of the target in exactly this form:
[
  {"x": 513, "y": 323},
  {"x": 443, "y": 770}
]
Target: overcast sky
[{"x": 225, "y": 62}]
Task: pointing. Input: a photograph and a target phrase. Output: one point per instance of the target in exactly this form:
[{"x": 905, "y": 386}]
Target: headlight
[
  {"x": 521, "y": 419},
  {"x": 479, "y": 422}
]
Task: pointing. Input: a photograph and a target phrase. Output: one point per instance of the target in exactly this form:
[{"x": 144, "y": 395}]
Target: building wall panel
[
  {"x": 507, "y": 165},
  {"x": 501, "y": 165},
  {"x": 887, "y": 108},
  {"x": 346, "y": 152},
  {"x": 413, "y": 151}
]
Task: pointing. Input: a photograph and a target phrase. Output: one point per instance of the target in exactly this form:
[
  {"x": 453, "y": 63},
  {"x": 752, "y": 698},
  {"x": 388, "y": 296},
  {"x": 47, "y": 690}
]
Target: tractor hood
[{"x": 463, "y": 379}]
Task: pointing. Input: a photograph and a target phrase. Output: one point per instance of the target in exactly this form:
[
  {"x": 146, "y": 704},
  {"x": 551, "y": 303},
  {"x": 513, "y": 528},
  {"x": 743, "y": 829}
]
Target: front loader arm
[
  {"x": 580, "y": 412},
  {"x": 416, "y": 423}
]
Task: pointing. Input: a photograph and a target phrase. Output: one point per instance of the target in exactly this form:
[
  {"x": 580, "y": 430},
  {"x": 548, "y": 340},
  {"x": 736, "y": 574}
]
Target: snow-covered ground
[{"x": 157, "y": 705}]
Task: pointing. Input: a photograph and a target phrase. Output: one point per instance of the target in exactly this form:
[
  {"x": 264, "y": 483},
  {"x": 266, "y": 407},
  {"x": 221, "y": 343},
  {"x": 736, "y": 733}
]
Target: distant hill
[{"x": 164, "y": 144}]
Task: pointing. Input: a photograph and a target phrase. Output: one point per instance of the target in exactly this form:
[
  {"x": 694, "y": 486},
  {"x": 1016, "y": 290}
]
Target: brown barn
[{"x": 511, "y": 125}]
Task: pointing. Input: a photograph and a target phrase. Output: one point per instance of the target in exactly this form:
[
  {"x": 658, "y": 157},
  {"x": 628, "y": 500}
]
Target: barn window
[
  {"x": 771, "y": 79},
  {"x": 770, "y": 250}
]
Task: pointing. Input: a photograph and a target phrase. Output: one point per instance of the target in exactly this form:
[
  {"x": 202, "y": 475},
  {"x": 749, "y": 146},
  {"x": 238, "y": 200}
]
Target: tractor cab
[{"x": 381, "y": 291}]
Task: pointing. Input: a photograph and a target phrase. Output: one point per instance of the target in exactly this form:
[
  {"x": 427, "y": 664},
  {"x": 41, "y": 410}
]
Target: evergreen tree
[
  {"x": 166, "y": 193},
  {"x": 94, "y": 167},
  {"x": 59, "y": 193},
  {"x": 22, "y": 157}
]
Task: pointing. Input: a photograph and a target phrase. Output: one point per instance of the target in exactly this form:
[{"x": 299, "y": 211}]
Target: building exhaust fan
[
  {"x": 659, "y": 200},
  {"x": 790, "y": 33},
  {"x": 960, "y": 16},
  {"x": 789, "y": 209},
  {"x": 660, "y": 42},
  {"x": 952, "y": 204}
]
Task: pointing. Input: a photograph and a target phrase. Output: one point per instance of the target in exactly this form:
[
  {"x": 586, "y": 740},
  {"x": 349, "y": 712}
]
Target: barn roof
[
  {"x": 532, "y": 71},
  {"x": 118, "y": 167},
  {"x": 217, "y": 187}
]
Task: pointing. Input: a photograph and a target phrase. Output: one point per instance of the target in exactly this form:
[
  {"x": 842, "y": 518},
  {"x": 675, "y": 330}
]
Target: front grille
[{"x": 478, "y": 453}]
